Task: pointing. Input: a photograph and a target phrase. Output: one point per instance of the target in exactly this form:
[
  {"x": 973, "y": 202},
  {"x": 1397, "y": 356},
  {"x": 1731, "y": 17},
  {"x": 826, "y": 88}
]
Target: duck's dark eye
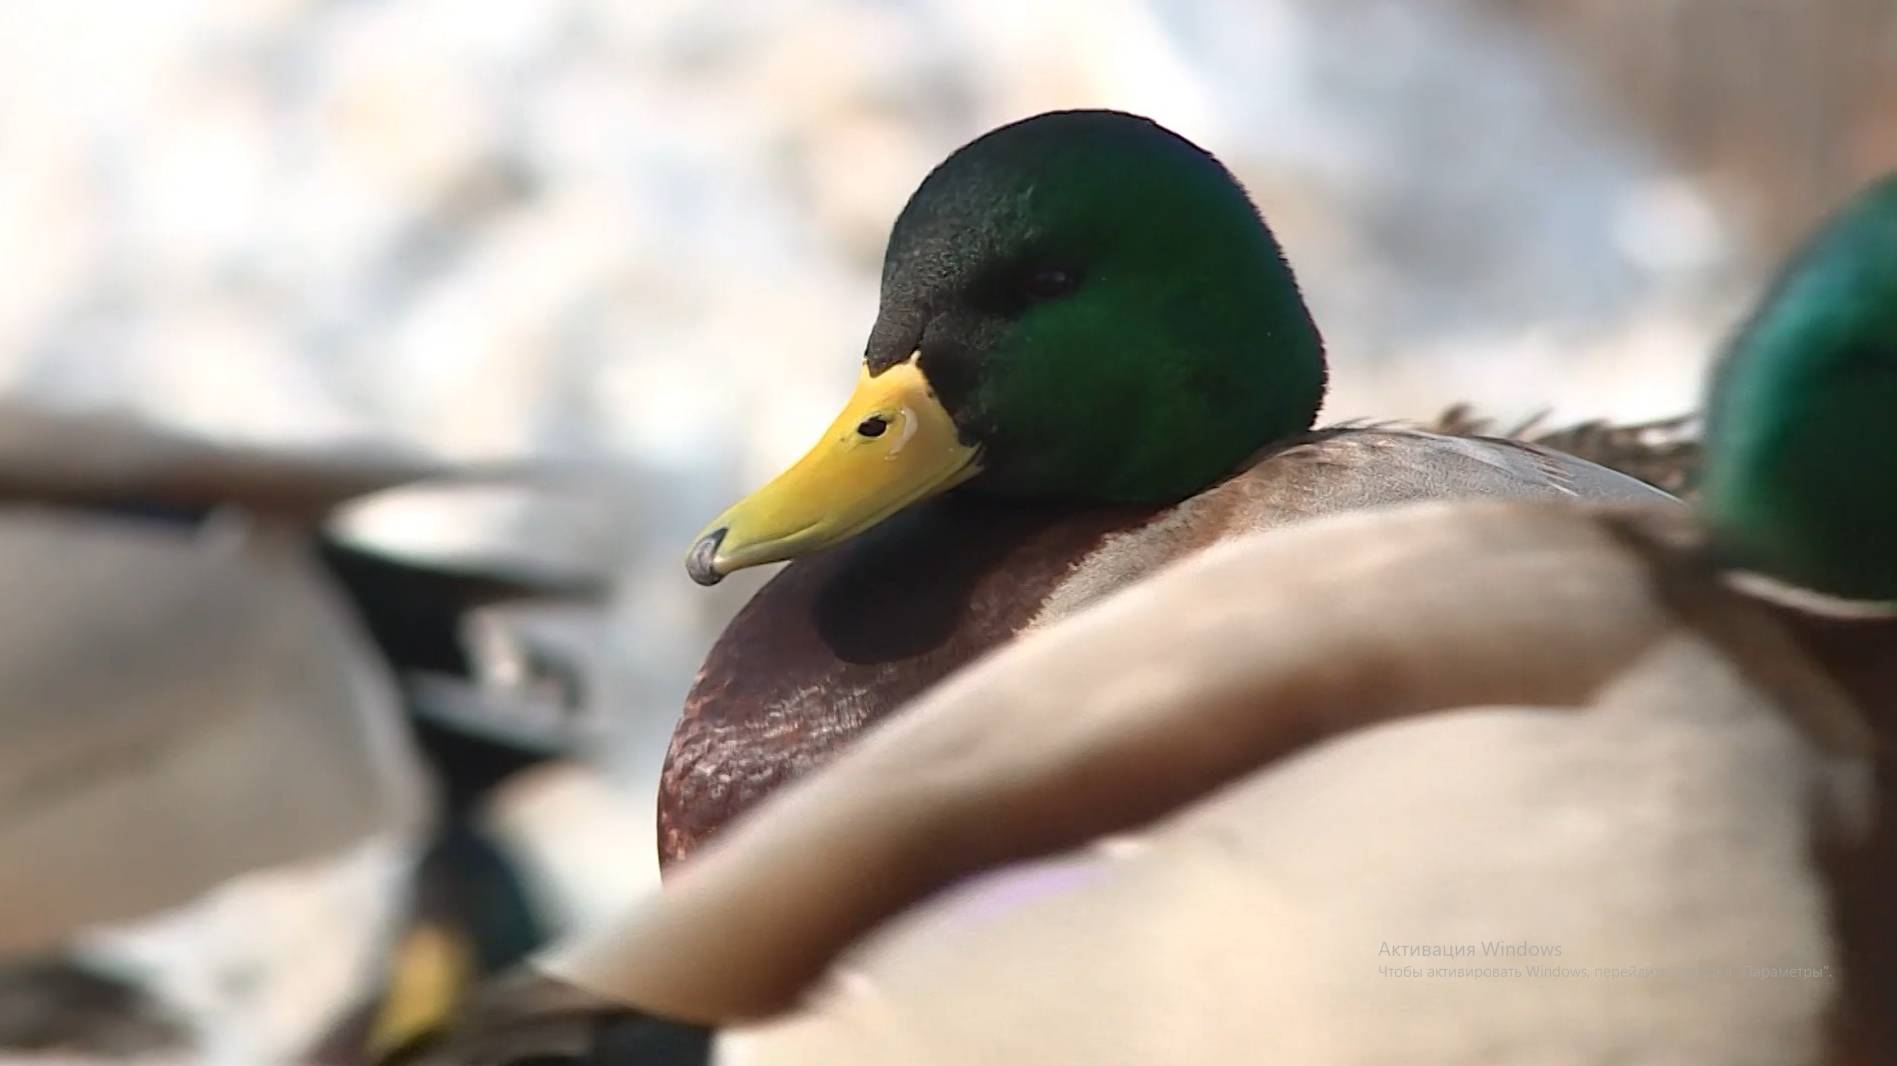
[
  {"x": 872, "y": 426},
  {"x": 1049, "y": 283}
]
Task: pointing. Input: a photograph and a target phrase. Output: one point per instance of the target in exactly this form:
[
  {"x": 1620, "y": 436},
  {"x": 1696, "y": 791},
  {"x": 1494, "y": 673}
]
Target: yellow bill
[
  {"x": 894, "y": 444},
  {"x": 432, "y": 971}
]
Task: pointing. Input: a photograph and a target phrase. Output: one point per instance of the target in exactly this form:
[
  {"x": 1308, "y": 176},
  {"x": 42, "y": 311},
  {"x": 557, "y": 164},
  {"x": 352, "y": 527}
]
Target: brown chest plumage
[{"x": 835, "y": 642}]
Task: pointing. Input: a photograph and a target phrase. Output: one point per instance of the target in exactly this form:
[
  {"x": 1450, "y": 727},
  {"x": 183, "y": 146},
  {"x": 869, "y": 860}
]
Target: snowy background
[{"x": 644, "y": 236}]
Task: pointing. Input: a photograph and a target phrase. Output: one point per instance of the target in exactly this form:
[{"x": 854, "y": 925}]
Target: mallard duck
[
  {"x": 1090, "y": 359},
  {"x": 472, "y": 909},
  {"x": 1267, "y": 803}
]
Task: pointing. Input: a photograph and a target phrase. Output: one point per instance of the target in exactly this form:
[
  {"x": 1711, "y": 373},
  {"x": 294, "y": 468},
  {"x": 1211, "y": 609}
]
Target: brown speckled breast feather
[{"x": 836, "y": 641}]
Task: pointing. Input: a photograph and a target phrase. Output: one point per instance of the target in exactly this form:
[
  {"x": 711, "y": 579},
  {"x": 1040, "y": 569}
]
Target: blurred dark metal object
[{"x": 1664, "y": 453}]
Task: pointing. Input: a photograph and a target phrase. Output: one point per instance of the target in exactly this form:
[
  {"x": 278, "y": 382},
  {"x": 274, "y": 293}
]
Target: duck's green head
[
  {"x": 1801, "y": 475},
  {"x": 1082, "y": 306}
]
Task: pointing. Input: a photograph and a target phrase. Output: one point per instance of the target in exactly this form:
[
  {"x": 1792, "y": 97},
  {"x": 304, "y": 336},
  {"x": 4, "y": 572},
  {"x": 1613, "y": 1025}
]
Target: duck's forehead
[
  {"x": 1057, "y": 183},
  {"x": 1055, "y": 179},
  {"x": 959, "y": 221},
  {"x": 954, "y": 233}
]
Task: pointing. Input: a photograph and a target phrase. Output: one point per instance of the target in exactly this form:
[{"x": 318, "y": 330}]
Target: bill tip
[{"x": 700, "y": 562}]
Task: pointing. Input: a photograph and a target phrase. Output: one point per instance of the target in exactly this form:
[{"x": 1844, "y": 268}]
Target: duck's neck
[{"x": 1859, "y": 653}]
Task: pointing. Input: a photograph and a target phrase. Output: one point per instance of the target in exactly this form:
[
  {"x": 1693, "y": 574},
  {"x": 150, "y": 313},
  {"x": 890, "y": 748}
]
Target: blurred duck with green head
[{"x": 1797, "y": 406}]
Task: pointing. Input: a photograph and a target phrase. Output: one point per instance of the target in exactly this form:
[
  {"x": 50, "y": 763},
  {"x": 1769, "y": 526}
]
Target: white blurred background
[{"x": 645, "y": 236}]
